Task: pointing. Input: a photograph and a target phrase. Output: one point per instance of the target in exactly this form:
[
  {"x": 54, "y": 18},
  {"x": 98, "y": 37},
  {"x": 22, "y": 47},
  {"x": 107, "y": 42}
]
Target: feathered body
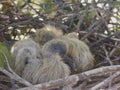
[
  {"x": 77, "y": 54},
  {"x": 53, "y": 68},
  {"x": 24, "y": 52},
  {"x": 33, "y": 66},
  {"x": 47, "y": 33}
]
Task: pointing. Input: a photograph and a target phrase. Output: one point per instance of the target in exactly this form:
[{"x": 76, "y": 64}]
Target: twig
[
  {"x": 109, "y": 60},
  {"x": 15, "y": 77},
  {"x": 105, "y": 82},
  {"x": 9, "y": 69},
  {"x": 114, "y": 49},
  {"x": 15, "y": 24},
  {"x": 12, "y": 74},
  {"x": 101, "y": 35},
  {"x": 32, "y": 8},
  {"x": 104, "y": 62},
  {"x": 107, "y": 56},
  {"x": 115, "y": 87}
]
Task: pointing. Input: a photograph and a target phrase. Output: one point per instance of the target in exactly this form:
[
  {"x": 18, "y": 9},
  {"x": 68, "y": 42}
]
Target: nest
[{"x": 94, "y": 26}]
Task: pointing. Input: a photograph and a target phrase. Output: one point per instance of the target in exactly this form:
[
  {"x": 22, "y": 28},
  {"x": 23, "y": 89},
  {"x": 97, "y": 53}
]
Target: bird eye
[
  {"x": 26, "y": 60},
  {"x": 38, "y": 57}
]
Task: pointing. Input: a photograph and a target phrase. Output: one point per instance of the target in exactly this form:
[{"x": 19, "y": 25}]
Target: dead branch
[
  {"x": 75, "y": 78},
  {"x": 105, "y": 82},
  {"x": 115, "y": 87},
  {"x": 12, "y": 74}
]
